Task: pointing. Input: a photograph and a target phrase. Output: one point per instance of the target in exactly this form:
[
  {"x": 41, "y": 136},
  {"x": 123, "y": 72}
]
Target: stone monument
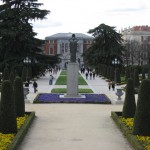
[{"x": 72, "y": 70}]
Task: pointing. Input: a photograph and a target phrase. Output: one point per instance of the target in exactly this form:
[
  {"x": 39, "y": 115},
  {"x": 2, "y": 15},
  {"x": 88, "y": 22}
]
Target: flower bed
[
  {"x": 126, "y": 126},
  {"x": 11, "y": 141},
  {"x": 89, "y": 98}
]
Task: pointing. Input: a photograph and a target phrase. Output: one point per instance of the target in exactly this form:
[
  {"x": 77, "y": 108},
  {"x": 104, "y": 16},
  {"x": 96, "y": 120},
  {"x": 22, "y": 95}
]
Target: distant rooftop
[
  {"x": 141, "y": 28},
  {"x": 67, "y": 36},
  {"x": 137, "y": 28}
]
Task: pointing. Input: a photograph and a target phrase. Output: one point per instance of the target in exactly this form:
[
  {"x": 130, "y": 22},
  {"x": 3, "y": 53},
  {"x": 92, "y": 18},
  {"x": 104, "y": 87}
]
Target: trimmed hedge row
[
  {"x": 22, "y": 131},
  {"x": 128, "y": 133}
]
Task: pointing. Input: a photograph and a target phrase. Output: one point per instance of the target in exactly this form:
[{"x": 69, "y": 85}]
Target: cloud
[
  {"x": 132, "y": 8},
  {"x": 47, "y": 24},
  {"x": 127, "y": 10}
]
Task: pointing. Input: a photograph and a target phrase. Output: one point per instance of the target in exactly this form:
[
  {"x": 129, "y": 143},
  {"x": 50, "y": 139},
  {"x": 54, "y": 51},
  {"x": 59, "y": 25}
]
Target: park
[{"x": 98, "y": 101}]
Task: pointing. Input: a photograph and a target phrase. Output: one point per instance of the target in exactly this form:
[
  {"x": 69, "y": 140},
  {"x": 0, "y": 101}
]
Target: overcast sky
[{"x": 78, "y": 16}]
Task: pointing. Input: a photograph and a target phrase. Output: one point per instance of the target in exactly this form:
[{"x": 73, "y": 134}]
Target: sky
[{"x": 79, "y": 16}]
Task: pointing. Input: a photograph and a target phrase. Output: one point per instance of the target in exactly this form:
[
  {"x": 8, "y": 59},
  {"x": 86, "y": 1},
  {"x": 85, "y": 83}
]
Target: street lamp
[
  {"x": 27, "y": 61},
  {"x": 115, "y": 62},
  {"x": 0, "y": 77}
]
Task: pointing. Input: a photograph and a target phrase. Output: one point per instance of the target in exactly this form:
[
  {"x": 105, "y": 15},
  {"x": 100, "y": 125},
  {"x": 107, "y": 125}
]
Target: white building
[
  {"x": 59, "y": 44},
  {"x": 137, "y": 42}
]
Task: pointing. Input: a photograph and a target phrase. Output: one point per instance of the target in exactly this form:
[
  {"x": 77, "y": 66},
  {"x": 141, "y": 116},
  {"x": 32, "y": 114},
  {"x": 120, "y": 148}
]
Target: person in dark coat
[
  {"x": 90, "y": 75},
  {"x": 86, "y": 74},
  {"x": 109, "y": 85},
  {"x": 51, "y": 80},
  {"x": 35, "y": 85},
  {"x": 113, "y": 85},
  {"x": 93, "y": 75}
]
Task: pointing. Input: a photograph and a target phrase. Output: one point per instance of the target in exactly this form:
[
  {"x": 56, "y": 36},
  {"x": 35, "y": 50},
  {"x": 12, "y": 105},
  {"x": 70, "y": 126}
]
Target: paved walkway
[{"x": 74, "y": 126}]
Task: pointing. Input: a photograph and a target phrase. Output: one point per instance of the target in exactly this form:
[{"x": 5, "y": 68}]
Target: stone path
[{"x": 74, "y": 126}]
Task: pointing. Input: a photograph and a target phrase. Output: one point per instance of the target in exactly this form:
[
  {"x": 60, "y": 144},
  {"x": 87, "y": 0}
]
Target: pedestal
[{"x": 72, "y": 80}]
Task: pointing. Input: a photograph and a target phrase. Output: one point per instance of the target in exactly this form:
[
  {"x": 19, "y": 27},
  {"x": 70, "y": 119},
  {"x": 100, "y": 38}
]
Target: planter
[
  {"x": 22, "y": 131},
  {"x": 128, "y": 133},
  {"x": 119, "y": 93}
]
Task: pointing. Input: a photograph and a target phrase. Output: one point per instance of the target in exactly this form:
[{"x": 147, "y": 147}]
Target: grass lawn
[
  {"x": 62, "y": 80},
  {"x": 64, "y": 90},
  {"x": 63, "y": 72}
]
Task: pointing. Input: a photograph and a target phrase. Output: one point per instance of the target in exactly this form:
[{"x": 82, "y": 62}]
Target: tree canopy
[
  {"x": 17, "y": 37},
  {"x": 106, "y": 46}
]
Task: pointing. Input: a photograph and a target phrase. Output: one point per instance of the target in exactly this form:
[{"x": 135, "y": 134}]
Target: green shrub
[
  {"x": 118, "y": 78},
  {"x": 24, "y": 74},
  {"x": 127, "y": 74},
  {"x": 29, "y": 73},
  {"x": 136, "y": 78},
  {"x": 143, "y": 72},
  {"x": 6, "y": 74},
  {"x": 129, "y": 106},
  {"x": 12, "y": 77},
  {"x": 141, "y": 125},
  {"x": 112, "y": 74},
  {"x": 19, "y": 97},
  {"x": 0, "y": 119},
  {"x": 8, "y": 113},
  {"x": 148, "y": 73}
]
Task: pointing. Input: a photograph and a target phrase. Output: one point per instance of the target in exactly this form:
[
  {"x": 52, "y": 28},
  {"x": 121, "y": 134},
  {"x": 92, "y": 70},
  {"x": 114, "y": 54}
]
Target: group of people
[
  {"x": 35, "y": 85},
  {"x": 111, "y": 85},
  {"x": 90, "y": 74},
  {"x": 54, "y": 70}
]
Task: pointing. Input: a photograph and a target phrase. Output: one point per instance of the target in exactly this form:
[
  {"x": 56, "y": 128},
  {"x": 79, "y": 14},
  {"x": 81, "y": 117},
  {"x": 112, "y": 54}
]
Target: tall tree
[
  {"x": 106, "y": 46},
  {"x": 16, "y": 29},
  {"x": 17, "y": 35}
]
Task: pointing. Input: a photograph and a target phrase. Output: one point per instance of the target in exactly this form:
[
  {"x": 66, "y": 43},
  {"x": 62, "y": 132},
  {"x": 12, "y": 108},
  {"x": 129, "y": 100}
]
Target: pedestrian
[
  {"x": 86, "y": 74},
  {"x": 109, "y": 85},
  {"x": 93, "y": 75},
  {"x": 27, "y": 85},
  {"x": 113, "y": 85},
  {"x": 90, "y": 75},
  {"x": 35, "y": 85},
  {"x": 51, "y": 80}
]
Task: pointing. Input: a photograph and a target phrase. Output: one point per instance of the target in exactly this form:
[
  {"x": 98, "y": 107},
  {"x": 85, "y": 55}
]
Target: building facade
[
  {"x": 137, "y": 42},
  {"x": 59, "y": 44}
]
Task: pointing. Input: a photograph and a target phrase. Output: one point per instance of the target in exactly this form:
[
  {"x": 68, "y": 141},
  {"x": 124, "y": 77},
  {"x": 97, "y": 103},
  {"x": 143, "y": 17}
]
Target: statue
[{"x": 73, "y": 48}]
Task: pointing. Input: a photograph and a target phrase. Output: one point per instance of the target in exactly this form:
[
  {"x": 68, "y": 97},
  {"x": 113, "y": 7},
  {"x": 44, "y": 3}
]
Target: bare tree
[{"x": 133, "y": 54}]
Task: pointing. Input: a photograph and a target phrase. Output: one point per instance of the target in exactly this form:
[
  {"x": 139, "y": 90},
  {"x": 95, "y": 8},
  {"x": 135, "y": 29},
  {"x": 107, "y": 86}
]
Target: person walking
[
  {"x": 35, "y": 85},
  {"x": 51, "y": 80},
  {"x": 93, "y": 75},
  {"x": 109, "y": 85},
  {"x": 113, "y": 85},
  {"x": 90, "y": 75},
  {"x": 86, "y": 74}
]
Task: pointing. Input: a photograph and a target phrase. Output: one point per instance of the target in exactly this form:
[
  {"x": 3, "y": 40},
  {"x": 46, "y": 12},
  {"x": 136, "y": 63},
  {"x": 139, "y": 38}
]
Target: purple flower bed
[{"x": 89, "y": 98}]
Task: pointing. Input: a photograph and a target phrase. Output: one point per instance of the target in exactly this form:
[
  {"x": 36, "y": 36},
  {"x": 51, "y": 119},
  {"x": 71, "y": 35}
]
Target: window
[
  {"x": 145, "y": 38},
  {"x": 66, "y": 47}
]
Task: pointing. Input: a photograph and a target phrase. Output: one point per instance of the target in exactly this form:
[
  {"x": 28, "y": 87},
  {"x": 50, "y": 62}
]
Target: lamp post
[
  {"x": 27, "y": 61},
  {"x": 115, "y": 62},
  {"x": 0, "y": 77}
]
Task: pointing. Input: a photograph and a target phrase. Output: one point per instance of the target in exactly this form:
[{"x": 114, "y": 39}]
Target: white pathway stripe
[{"x": 73, "y": 126}]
